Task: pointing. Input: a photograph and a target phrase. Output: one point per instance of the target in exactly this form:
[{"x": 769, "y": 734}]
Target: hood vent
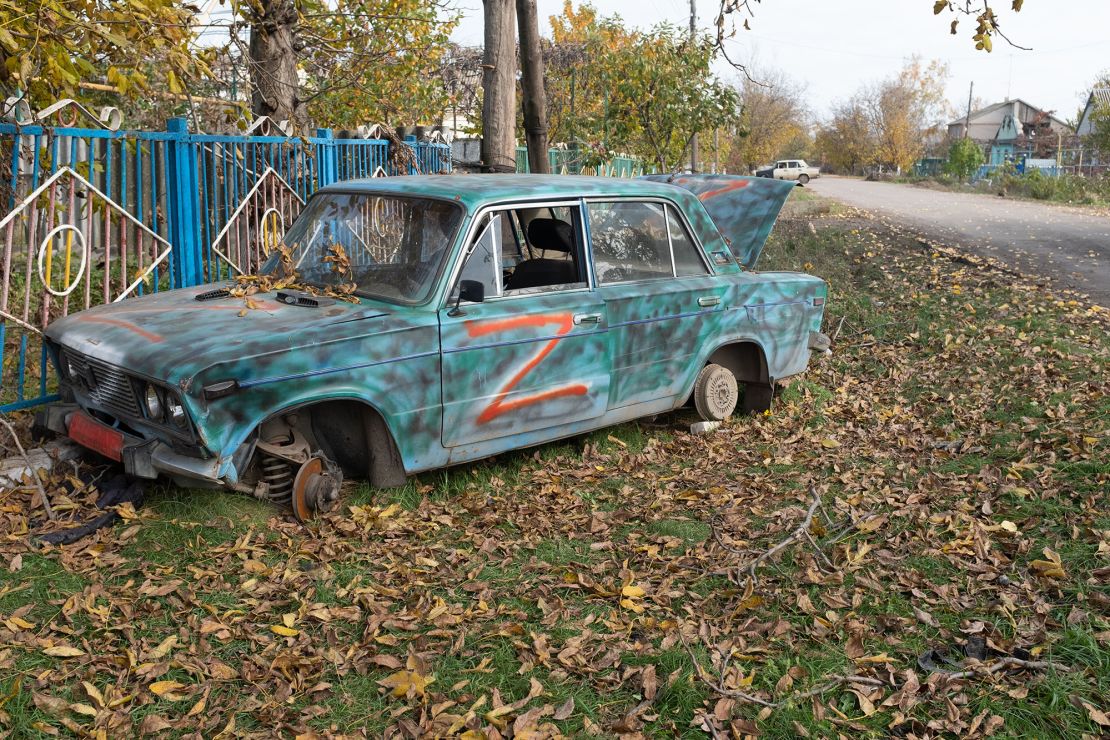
[
  {"x": 297, "y": 298},
  {"x": 212, "y": 295}
]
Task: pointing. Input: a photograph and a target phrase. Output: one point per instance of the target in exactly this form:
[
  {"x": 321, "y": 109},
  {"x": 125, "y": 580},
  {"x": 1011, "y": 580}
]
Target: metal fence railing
[
  {"x": 94, "y": 215},
  {"x": 573, "y": 161}
]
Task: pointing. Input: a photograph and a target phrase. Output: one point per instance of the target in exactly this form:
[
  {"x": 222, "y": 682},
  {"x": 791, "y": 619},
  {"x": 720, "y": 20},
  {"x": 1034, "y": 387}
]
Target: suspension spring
[{"x": 277, "y": 474}]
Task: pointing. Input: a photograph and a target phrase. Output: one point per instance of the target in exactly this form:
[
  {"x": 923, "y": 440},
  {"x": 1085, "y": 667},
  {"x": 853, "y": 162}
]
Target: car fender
[
  {"x": 248, "y": 428},
  {"x": 688, "y": 387}
]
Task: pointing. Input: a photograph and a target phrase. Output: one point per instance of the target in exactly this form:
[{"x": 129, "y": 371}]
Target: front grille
[{"x": 106, "y": 386}]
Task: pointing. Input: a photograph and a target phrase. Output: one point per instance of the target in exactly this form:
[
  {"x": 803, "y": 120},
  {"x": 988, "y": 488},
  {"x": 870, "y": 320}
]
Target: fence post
[
  {"x": 326, "y": 159},
  {"x": 184, "y": 220}
]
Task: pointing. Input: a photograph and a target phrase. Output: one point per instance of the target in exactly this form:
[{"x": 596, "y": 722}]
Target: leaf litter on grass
[{"x": 956, "y": 440}]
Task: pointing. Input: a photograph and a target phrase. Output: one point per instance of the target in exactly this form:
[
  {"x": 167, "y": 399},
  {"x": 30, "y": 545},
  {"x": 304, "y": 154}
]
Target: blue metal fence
[{"x": 144, "y": 211}]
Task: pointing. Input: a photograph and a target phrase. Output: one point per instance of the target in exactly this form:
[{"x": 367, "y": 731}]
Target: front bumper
[{"x": 142, "y": 458}]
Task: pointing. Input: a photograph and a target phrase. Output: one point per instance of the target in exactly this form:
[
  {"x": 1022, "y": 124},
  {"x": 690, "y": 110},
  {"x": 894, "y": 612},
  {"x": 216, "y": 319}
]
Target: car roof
[{"x": 477, "y": 190}]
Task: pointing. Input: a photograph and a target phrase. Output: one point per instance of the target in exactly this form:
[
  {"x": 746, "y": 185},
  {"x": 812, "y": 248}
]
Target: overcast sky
[{"x": 832, "y": 46}]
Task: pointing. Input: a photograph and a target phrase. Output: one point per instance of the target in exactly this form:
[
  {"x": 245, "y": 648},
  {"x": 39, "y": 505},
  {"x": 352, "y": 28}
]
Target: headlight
[
  {"x": 153, "y": 403},
  {"x": 176, "y": 412}
]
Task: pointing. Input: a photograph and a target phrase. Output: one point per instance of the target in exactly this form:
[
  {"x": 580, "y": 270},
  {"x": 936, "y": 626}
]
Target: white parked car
[{"x": 790, "y": 169}]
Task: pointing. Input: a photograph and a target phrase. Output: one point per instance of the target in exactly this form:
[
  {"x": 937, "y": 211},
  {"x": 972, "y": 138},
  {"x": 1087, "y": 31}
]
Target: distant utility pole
[
  {"x": 967, "y": 121},
  {"x": 694, "y": 140}
]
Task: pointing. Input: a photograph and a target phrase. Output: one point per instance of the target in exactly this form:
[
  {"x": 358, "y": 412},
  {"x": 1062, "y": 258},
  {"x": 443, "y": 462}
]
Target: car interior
[{"x": 540, "y": 248}]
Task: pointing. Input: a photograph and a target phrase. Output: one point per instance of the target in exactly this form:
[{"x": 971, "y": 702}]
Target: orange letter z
[{"x": 498, "y": 406}]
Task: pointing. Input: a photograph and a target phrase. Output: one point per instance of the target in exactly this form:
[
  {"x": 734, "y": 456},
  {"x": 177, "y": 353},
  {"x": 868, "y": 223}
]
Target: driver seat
[{"x": 549, "y": 235}]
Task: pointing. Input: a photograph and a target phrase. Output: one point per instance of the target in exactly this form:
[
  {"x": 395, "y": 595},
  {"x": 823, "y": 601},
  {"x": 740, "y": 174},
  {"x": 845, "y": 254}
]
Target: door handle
[
  {"x": 708, "y": 300},
  {"x": 587, "y": 318}
]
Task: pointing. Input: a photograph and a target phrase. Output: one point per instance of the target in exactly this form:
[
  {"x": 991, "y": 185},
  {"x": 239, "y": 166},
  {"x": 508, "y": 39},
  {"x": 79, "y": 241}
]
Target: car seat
[{"x": 549, "y": 235}]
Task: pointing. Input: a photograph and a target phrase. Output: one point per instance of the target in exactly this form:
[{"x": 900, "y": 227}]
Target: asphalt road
[{"x": 1068, "y": 246}]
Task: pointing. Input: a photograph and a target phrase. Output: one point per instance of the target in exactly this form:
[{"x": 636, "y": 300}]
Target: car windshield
[{"x": 373, "y": 245}]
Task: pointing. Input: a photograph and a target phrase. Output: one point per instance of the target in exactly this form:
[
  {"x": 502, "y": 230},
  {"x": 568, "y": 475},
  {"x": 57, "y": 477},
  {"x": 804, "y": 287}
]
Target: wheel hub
[
  {"x": 315, "y": 489},
  {"x": 722, "y": 393}
]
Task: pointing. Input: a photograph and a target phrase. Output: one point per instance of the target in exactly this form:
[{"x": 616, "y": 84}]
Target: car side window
[
  {"x": 526, "y": 250},
  {"x": 553, "y": 255},
  {"x": 512, "y": 241},
  {"x": 629, "y": 241},
  {"x": 483, "y": 260},
  {"x": 687, "y": 257}
]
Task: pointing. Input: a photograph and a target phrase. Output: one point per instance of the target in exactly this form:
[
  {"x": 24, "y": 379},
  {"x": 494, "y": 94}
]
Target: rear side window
[
  {"x": 629, "y": 241},
  {"x": 687, "y": 260}
]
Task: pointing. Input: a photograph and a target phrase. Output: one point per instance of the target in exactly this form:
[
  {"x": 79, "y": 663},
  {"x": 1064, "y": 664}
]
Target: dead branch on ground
[
  {"x": 800, "y": 533},
  {"x": 989, "y": 669},
  {"x": 830, "y": 683},
  {"x": 837, "y": 679},
  {"x": 34, "y": 473}
]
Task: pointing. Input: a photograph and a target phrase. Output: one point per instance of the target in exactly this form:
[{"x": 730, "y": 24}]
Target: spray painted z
[{"x": 413, "y": 323}]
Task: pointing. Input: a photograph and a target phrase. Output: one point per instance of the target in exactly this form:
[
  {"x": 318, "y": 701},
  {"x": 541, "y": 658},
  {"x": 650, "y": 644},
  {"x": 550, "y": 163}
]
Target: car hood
[
  {"x": 743, "y": 208},
  {"x": 172, "y": 336}
]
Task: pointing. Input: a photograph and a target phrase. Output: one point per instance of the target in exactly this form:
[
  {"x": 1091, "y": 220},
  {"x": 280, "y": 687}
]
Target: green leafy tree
[
  {"x": 344, "y": 62},
  {"x": 1100, "y": 116},
  {"x": 846, "y": 142},
  {"x": 49, "y": 47},
  {"x": 582, "y": 43},
  {"x": 615, "y": 89},
  {"x": 964, "y": 158},
  {"x": 340, "y": 62},
  {"x": 1100, "y": 121},
  {"x": 663, "y": 93}
]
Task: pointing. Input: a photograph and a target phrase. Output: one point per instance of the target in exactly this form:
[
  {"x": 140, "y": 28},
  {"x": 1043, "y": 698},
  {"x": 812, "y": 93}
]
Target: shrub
[{"x": 964, "y": 158}]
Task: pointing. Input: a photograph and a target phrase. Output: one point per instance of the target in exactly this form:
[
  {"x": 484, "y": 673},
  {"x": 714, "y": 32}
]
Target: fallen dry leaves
[{"x": 620, "y": 584}]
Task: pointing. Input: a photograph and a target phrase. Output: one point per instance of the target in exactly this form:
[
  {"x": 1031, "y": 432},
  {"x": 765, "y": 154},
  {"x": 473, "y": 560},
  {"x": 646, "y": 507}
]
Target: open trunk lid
[{"x": 743, "y": 208}]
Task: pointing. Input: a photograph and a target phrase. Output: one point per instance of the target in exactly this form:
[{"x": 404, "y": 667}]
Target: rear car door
[
  {"x": 661, "y": 300},
  {"x": 530, "y": 359}
]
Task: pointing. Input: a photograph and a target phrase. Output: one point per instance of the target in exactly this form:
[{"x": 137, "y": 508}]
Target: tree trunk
[
  {"x": 275, "y": 86},
  {"x": 531, "y": 81},
  {"x": 499, "y": 88}
]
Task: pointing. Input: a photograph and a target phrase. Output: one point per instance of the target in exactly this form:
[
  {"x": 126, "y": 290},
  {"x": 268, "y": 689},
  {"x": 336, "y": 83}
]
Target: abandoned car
[{"x": 412, "y": 323}]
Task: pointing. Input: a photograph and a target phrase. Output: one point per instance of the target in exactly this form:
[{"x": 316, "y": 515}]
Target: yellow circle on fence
[
  {"x": 46, "y": 259},
  {"x": 272, "y": 230}
]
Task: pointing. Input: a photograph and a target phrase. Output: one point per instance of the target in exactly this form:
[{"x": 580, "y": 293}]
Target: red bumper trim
[{"x": 88, "y": 432}]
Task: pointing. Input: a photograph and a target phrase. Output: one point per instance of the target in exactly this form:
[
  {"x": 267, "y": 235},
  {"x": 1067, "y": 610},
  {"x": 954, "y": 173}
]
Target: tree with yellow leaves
[
  {"x": 773, "y": 115},
  {"x": 906, "y": 111}
]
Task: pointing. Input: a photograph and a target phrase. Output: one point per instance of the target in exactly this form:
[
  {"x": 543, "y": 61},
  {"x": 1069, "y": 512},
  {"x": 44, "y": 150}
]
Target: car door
[
  {"x": 528, "y": 364},
  {"x": 661, "y": 300}
]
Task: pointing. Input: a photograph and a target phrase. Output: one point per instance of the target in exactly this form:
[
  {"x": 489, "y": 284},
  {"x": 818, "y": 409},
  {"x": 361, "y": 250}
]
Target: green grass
[{"x": 489, "y": 572}]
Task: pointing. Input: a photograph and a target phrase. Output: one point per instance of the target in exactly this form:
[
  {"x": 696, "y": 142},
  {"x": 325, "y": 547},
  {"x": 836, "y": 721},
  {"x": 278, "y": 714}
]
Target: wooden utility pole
[
  {"x": 499, "y": 87},
  {"x": 967, "y": 121},
  {"x": 531, "y": 84},
  {"x": 694, "y": 139}
]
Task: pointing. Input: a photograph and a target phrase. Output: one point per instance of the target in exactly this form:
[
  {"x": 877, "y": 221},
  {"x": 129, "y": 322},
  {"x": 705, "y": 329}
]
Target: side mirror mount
[{"x": 470, "y": 290}]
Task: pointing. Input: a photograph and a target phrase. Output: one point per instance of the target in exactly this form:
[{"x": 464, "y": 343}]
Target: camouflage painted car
[{"x": 482, "y": 314}]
